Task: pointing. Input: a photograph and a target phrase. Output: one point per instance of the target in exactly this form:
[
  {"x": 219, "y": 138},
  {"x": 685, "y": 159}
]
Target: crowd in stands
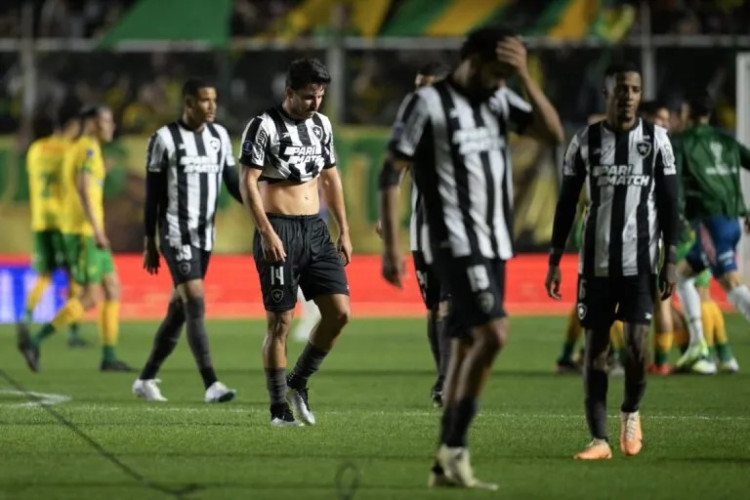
[{"x": 143, "y": 88}]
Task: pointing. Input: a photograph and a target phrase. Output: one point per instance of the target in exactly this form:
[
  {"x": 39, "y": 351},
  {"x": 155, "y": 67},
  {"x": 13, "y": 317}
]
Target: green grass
[{"x": 371, "y": 402}]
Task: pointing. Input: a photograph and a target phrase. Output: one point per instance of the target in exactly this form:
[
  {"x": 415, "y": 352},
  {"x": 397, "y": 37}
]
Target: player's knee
[
  {"x": 112, "y": 290},
  {"x": 195, "y": 307},
  {"x": 339, "y": 316},
  {"x": 730, "y": 280},
  {"x": 90, "y": 297},
  {"x": 279, "y": 324},
  {"x": 494, "y": 337}
]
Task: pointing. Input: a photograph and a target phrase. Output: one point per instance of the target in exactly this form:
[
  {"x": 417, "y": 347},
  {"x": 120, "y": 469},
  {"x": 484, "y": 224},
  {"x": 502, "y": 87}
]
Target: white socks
[
  {"x": 691, "y": 306},
  {"x": 739, "y": 297}
]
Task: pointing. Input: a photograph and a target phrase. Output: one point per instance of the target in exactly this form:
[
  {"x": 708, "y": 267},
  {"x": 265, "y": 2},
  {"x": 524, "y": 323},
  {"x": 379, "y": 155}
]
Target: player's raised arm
[
  {"x": 574, "y": 174},
  {"x": 667, "y": 206},
  {"x": 542, "y": 122},
  {"x": 156, "y": 195}
]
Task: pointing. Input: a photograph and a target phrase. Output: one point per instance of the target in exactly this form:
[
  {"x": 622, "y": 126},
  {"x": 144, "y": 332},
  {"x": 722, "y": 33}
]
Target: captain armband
[{"x": 389, "y": 175}]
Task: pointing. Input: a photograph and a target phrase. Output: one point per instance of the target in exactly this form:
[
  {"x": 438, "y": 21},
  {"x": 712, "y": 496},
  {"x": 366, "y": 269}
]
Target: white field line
[
  {"x": 165, "y": 408},
  {"x": 47, "y": 399}
]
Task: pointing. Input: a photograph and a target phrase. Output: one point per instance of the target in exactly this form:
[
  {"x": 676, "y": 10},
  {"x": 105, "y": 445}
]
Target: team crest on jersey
[
  {"x": 277, "y": 295},
  {"x": 644, "y": 148},
  {"x": 318, "y": 132},
  {"x": 214, "y": 143},
  {"x": 582, "y": 310}
]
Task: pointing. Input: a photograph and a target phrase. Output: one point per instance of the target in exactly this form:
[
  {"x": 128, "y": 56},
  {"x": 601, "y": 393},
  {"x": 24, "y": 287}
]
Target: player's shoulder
[
  {"x": 582, "y": 133},
  {"x": 505, "y": 96},
  {"x": 429, "y": 93},
  {"x": 320, "y": 117},
  {"x": 219, "y": 129}
]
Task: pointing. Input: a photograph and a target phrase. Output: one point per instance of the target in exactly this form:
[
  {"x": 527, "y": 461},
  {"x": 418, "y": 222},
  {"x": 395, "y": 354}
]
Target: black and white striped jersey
[
  {"x": 623, "y": 174},
  {"x": 419, "y": 232},
  {"x": 286, "y": 149},
  {"x": 462, "y": 168},
  {"x": 194, "y": 162}
]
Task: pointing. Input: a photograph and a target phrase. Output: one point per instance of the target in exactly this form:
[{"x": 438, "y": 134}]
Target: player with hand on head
[
  {"x": 628, "y": 167},
  {"x": 454, "y": 136},
  {"x": 287, "y": 152},
  {"x": 185, "y": 164}
]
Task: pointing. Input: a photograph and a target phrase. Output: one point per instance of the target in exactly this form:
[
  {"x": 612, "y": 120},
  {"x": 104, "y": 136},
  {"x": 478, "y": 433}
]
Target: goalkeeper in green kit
[{"x": 710, "y": 161}]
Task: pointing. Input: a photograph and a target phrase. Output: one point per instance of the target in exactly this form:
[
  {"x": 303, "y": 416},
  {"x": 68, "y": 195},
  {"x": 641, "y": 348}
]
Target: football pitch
[{"x": 376, "y": 428}]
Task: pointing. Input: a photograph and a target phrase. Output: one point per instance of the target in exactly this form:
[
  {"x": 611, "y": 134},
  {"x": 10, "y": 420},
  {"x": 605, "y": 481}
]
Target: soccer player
[
  {"x": 659, "y": 114},
  {"x": 286, "y": 152},
  {"x": 454, "y": 136},
  {"x": 709, "y": 162},
  {"x": 86, "y": 243},
  {"x": 44, "y": 162},
  {"x": 628, "y": 167},
  {"x": 434, "y": 300},
  {"x": 185, "y": 163}
]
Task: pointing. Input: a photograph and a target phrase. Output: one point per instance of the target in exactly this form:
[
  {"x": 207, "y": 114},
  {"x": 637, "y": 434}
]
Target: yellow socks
[
  {"x": 109, "y": 328},
  {"x": 71, "y": 312},
  {"x": 35, "y": 295}
]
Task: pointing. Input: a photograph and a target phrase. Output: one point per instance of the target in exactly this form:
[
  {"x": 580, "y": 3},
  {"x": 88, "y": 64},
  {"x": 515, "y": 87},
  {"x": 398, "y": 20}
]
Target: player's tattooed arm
[{"x": 273, "y": 248}]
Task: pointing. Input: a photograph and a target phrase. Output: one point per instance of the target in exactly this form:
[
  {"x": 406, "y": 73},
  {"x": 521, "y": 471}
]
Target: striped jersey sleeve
[
  {"x": 255, "y": 141},
  {"x": 328, "y": 150},
  {"x": 157, "y": 156},
  {"x": 665, "y": 159},
  {"x": 573, "y": 164},
  {"x": 409, "y": 126}
]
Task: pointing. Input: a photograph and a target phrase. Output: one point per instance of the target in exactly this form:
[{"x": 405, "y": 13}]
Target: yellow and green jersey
[
  {"x": 85, "y": 155},
  {"x": 44, "y": 164}
]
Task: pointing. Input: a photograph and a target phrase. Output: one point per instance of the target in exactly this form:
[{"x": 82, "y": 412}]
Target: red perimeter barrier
[{"x": 233, "y": 289}]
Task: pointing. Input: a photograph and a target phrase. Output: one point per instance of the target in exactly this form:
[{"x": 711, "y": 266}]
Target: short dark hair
[
  {"x": 193, "y": 85},
  {"x": 91, "y": 111},
  {"x": 69, "y": 110},
  {"x": 303, "y": 72},
  {"x": 701, "y": 104},
  {"x": 621, "y": 67},
  {"x": 483, "y": 41},
  {"x": 434, "y": 68}
]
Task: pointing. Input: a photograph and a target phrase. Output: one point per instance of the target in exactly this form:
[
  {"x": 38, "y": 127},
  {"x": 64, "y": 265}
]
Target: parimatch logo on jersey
[
  {"x": 618, "y": 175},
  {"x": 477, "y": 140},
  {"x": 303, "y": 154}
]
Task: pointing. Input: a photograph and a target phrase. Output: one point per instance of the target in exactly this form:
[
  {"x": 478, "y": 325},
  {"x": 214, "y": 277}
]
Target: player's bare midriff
[{"x": 290, "y": 198}]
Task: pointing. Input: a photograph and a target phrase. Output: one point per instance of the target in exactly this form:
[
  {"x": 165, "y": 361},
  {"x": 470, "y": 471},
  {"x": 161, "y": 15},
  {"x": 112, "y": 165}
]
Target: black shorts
[
  {"x": 185, "y": 263},
  {"x": 312, "y": 263},
  {"x": 476, "y": 287},
  {"x": 603, "y": 300},
  {"x": 429, "y": 283}
]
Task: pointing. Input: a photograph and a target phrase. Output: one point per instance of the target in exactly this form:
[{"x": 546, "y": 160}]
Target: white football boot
[
  {"x": 148, "y": 389},
  {"x": 219, "y": 393}
]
